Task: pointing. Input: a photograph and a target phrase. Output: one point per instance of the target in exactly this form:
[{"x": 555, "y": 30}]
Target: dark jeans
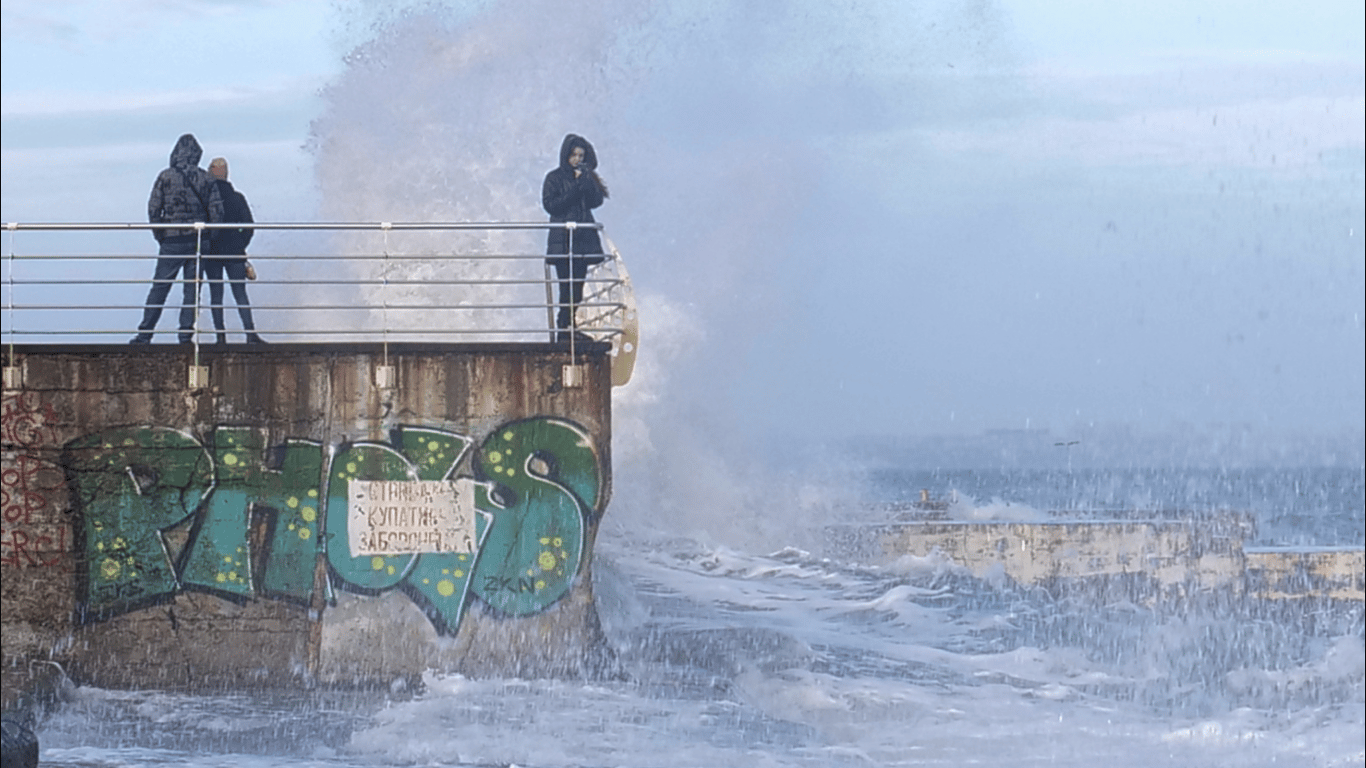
[
  {"x": 571, "y": 273},
  {"x": 176, "y": 256},
  {"x": 236, "y": 267}
]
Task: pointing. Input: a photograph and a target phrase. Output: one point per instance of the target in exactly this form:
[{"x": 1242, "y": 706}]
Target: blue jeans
[
  {"x": 236, "y": 267},
  {"x": 172, "y": 260}
]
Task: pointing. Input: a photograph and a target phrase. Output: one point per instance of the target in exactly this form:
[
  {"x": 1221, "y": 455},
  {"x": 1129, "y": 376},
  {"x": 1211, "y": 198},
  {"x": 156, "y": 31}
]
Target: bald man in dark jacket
[
  {"x": 229, "y": 253},
  {"x": 184, "y": 193}
]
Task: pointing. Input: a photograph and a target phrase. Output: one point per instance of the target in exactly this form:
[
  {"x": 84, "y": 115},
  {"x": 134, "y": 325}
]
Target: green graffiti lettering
[
  {"x": 218, "y": 557},
  {"x": 142, "y": 489},
  {"x": 293, "y": 493},
  {"x": 543, "y": 478},
  {"x": 131, "y": 485},
  {"x": 362, "y": 461},
  {"x": 439, "y": 581},
  {"x": 434, "y": 453}
]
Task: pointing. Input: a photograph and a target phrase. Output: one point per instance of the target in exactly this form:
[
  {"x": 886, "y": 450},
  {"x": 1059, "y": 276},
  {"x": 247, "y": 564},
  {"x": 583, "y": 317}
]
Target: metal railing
[{"x": 388, "y": 282}]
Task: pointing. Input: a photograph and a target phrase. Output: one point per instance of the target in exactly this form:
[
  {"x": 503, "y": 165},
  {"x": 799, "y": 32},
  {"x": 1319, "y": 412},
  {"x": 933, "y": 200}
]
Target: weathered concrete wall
[
  {"x": 1281, "y": 573},
  {"x": 1142, "y": 559},
  {"x": 1168, "y": 552},
  {"x": 163, "y": 534}
]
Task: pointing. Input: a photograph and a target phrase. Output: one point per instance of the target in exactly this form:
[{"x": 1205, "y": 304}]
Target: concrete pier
[
  {"x": 1141, "y": 558},
  {"x": 1288, "y": 573},
  {"x": 291, "y": 514}
]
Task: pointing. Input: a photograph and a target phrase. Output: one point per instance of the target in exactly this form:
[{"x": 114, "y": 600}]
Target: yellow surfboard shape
[{"x": 611, "y": 314}]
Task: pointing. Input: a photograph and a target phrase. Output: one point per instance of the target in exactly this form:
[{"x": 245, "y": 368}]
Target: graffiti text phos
[{"x": 163, "y": 512}]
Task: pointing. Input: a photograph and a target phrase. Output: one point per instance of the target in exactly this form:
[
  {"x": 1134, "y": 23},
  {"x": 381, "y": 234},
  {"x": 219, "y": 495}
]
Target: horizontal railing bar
[
  {"x": 376, "y": 283},
  {"x": 275, "y": 257},
  {"x": 379, "y": 226},
  {"x": 313, "y": 332},
  {"x": 308, "y": 307}
]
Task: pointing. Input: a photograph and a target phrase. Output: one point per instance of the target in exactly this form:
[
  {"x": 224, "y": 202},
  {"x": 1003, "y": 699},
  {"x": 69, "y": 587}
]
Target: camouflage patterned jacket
[{"x": 183, "y": 192}]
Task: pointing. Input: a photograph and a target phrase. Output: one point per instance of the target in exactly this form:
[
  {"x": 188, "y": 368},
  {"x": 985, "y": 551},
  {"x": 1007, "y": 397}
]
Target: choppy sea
[{"x": 786, "y": 656}]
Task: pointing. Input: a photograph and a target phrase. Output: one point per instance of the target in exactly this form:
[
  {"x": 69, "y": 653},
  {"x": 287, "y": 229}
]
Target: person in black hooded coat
[
  {"x": 182, "y": 194},
  {"x": 570, "y": 193}
]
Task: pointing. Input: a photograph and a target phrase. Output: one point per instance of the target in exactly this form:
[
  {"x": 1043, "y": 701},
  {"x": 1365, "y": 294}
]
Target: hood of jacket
[
  {"x": 186, "y": 153},
  {"x": 590, "y": 158}
]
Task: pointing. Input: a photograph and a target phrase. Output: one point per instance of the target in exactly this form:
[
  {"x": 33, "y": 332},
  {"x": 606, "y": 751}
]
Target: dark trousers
[
  {"x": 236, "y": 267},
  {"x": 172, "y": 260},
  {"x": 571, "y": 273}
]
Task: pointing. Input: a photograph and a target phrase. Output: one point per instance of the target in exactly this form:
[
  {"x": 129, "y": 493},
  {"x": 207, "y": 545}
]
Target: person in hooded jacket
[
  {"x": 228, "y": 251},
  {"x": 570, "y": 193},
  {"x": 183, "y": 193}
]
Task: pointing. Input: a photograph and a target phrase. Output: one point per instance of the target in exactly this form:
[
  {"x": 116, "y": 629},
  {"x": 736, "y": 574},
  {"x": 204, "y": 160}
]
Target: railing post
[
  {"x": 13, "y": 376},
  {"x": 384, "y": 375},
  {"x": 198, "y": 289}
]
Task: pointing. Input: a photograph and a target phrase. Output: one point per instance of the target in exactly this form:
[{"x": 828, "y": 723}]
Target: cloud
[
  {"x": 1294, "y": 117},
  {"x": 108, "y": 53},
  {"x": 84, "y": 105},
  {"x": 1289, "y": 136},
  {"x": 34, "y": 21}
]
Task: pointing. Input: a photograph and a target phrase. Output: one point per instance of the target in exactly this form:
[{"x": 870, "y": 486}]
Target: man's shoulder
[
  {"x": 227, "y": 190},
  {"x": 235, "y": 206}
]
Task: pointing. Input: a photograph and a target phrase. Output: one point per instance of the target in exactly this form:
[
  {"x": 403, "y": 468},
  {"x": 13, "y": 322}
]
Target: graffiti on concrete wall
[
  {"x": 162, "y": 512},
  {"x": 32, "y": 490},
  {"x": 537, "y": 537},
  {"x": 26, "y": 422}
]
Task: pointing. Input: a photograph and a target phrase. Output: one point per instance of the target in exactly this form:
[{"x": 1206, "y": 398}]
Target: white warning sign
[{"x": 400, "y": 517}]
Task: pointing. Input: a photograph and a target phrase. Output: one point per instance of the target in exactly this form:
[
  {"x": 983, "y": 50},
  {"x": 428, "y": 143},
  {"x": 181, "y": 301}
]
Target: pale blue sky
[
  {"x": 1050, "y": 214},
  {"x": 104, "y": 84}
]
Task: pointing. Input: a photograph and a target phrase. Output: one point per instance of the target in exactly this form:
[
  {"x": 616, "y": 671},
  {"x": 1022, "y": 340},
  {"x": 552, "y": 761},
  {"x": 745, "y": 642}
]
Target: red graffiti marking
[
  {"x": 32, "y": 491},
  {"x": 24, "y": 488},
  {"x": 20, "y": 550},
  {"x": 26, "y": 422},
  {"x": 32, "y": 499}
]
